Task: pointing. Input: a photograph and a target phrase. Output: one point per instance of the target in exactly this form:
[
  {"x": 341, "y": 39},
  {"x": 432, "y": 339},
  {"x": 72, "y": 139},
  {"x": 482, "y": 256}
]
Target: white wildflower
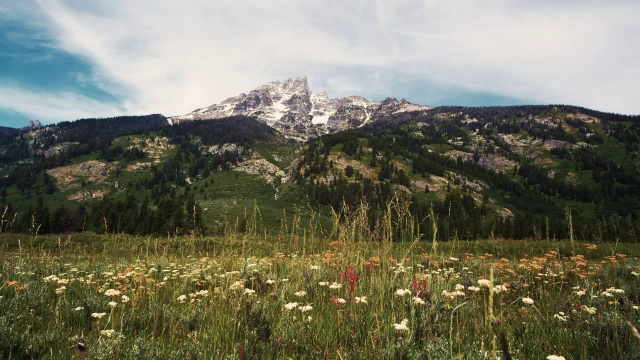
[
  {"x": 402, "y": 326},
  {"x": 61, "y": 290},
  {"x": 291, "y": 306},
  {"x": 361, "y": 300},
  {"x": 112, "y": 292},
  {"x": 335, "y": 285},
  {"x": 580, "y": 292},
  {"x": 473, "y": 288},
  {"x": 182, "y": 298},
  {"x": 403, "y": 292},
  {"x": 113, "y": 304},
  {"x": 237, "y": 285},
  {"x": 528, "y": 301},
  {"x": 79, "y": 308},
  {"x": 561, "y": 317},
  {"x": 418, "y": 301},
  {"x": 306, "y": 308},
  {"x": 499, "y": 288},
  {"x": 125, "y": 299},
  {"x": 270, "y": 282},
  {"x": 323, "y": 283},
  {"x": 484, "y": 283},
  {"x": 300, "y": 293},
  {"x": 107, "y": 333},
  {"x": 98, "y": 315},
  {"x": 249, "y": 292},
  {"x": 555, "y": 357}
]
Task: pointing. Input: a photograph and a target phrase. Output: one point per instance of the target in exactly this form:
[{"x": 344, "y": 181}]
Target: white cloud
[
  {"x": 173, "y": 57},
  {"x": 54, "y": 106}
]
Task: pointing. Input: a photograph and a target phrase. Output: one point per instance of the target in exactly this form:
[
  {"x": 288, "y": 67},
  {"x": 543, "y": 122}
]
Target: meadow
[{"x": 297, "y": 295}]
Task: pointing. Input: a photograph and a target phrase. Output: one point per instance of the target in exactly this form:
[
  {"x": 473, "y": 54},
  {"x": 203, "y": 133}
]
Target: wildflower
[
  {"x": 499, "y": 288},
  {"x": 300, "y": 293},
  {"x": 403, "y": 292},
  {"x": 323, "y": 283},
  {"x": 314, "y": 267},
  {"x": 351, "y": 277},
  {"x": 285, "y": 280},
  {"x": 635, "y": 273},
  {"x": 402, "y": 326},
  {"x": 61, "y": 290},
  {"x": 237, "y": 285},
  {"x": 291, "y": 306},
  {"x": 590, "y": 310},
  {"x": 555, "y": 357},
  {"x": 202, "y": 293},
  {"x": 363, "y": 300},
  {"x": 107, "y": 333},
  {"x": 79, "y": 308},
  {"x": 473, "y": 288},
  {"x": 528, "y": 301},
  {"x": 306, "y": 308},
  {"x": 308, "y": 319},
  {"x": 249, "y": 292},
  {"x": 453, "y": 294},
  {"x": 125, "y": 299},
  {"x": 484, "y": 283},
  {"x": 418, "y": 301},
  {"x": 50, "y": 279},
  {"x": 335, "y": 285},
  {"x": 113, "y": 304},
  {"x": 182, "y": 298},
  {"x": 561, "y": 316},
  {"x": 580, "y": 292},
  {"x": 270, "y": 282},
  {"x": 607, "y": 294},
  {"x": 338, "y": 300},
  {"x": 98, "y": 315},
  {"x": 112, "y": 292},
  {"x": 635, "y": 307},
  {"x": 420, "y": 289},
  {"x": 459, "y": 287},
  {"x": 453, "y": 259}
]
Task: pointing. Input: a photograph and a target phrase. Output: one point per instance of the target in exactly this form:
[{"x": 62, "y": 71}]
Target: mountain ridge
[{"x": 290, "y": 107}]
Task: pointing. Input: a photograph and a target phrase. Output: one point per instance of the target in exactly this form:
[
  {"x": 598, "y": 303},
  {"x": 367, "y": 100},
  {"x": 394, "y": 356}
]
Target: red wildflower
[{"x": 351, "y": 278}]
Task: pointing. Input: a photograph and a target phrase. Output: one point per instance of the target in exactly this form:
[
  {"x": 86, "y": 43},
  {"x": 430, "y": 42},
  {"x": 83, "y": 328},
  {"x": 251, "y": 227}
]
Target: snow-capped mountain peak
[{"x": 290, "y": 107}]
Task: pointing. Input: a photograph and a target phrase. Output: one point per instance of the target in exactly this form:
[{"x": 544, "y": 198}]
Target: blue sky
[{"x": 69, "y": 59}]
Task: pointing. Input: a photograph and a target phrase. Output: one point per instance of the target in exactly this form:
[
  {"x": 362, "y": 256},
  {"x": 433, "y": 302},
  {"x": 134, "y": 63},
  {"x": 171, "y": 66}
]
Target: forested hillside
[{"x": 512, "y": 172}]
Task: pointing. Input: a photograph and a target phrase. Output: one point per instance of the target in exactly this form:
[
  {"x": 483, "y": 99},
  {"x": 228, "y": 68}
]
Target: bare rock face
[
  {"x": 32, "y": 125},
  {"x": 291, "y": 108}
]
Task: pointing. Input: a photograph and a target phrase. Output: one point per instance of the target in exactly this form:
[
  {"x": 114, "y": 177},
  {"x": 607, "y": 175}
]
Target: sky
[{"x": 69, "y": 59}]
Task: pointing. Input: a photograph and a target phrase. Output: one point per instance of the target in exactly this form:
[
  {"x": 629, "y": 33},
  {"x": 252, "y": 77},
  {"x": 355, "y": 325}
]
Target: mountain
[
  {"x": 291, "y": 108},
  {"x": 511, "y": 172}
]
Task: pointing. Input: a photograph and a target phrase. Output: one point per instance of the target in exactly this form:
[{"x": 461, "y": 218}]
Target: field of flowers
[{"x": 266, "y": 299}]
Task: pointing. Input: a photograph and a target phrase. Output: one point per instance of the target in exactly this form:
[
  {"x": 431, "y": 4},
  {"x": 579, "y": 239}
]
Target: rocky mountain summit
[{"x": 291, "y": 108}]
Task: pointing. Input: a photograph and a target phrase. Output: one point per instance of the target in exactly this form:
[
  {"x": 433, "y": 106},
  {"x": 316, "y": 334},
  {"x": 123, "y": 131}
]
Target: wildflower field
[{"x": 258, "y": 297}]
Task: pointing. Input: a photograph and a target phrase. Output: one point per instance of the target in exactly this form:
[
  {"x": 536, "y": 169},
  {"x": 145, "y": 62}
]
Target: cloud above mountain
[{"x": 172, "y": 57}]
